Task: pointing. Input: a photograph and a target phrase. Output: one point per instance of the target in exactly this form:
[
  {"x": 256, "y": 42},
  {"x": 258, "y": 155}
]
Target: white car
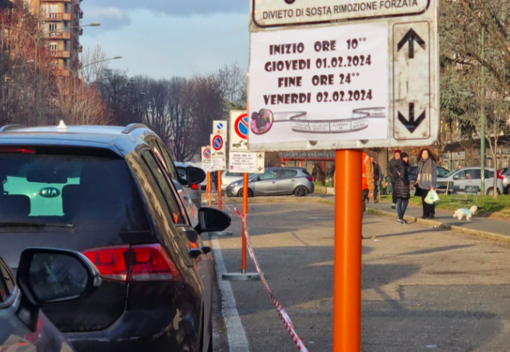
[
  {"x": 468, "y": 179},
  {"x": 228, "y": 177}
]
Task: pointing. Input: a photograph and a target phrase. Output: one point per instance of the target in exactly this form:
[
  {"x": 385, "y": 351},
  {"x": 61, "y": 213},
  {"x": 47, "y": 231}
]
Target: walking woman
[
  {"x": 402, "y": 191},
  {"x": 426, "y": 181}
]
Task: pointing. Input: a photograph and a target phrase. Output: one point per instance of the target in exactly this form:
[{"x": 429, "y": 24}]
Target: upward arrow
[
  {"x": 411, "y": 124},
  {"x": 410, "y": 38}
]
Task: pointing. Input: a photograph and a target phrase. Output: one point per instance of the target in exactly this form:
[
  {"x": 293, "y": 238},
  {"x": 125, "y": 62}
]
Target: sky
[{"x": 166, "y": 38}]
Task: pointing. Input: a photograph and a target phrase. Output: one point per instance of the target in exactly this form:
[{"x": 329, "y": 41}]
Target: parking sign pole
[
  {"x": 347, "y": 265},
  {"x": 219, "y": 190},
  {"x": 209, "y": 188}
]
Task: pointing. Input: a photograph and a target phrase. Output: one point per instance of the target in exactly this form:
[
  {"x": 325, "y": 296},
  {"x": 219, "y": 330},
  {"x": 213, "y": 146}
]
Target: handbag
[
  {"x": 418, "y": 191},
  {"x": 431, "y": 197}
]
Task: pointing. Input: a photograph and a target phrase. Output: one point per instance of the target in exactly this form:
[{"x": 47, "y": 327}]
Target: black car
[
  {"x": 104, "y": 192},
  {"x": 45, "y": 276},
  {"x": 413, "y": 174}
]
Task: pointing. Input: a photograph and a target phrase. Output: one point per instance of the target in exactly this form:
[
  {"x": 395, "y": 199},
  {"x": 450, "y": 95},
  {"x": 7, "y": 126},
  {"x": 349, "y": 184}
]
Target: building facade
[{"x": 60, "y": 25}]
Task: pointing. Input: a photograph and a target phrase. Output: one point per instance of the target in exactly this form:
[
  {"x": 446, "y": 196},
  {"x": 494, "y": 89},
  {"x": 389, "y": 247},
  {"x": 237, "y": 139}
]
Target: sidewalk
[{"x": 484, "y": 227}]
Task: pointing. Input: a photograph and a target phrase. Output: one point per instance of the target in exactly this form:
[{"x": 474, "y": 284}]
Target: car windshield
[
  {"x": 75, "y": 192},
  {"x": 451, "y": 173}
]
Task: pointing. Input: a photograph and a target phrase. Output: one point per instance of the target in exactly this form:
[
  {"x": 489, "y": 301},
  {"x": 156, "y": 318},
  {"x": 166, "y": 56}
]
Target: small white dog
[{"x": 468, "y": 213}]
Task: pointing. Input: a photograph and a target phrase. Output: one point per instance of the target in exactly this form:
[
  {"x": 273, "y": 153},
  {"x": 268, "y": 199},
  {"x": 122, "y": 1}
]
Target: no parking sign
[
  {"x": 239, "y": 131},
  {"x": 218, "y": 145}
]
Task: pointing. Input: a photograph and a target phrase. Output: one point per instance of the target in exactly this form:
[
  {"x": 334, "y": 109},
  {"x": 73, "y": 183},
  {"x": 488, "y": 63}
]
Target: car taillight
[
  {"x": 151, "y": 263},
  {"x": 111, "y": 262},
  {"x": 309, "y": 178},
  {"x": 138, "y": 263},
  {"x": 195, "y": 187},
  {"x": 16, "y": 150}
]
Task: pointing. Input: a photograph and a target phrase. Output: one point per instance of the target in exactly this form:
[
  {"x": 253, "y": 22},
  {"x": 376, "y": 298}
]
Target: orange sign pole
[
  {"x": 219, "y": 190},
  {"x": 209, "y": 188},
  {"x": 245, "y": 212},
  {"x": 347, "y": 266}
]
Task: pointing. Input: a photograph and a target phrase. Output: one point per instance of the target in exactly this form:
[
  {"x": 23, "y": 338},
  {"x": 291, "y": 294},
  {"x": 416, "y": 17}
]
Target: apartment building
[{"x": 60, "y": 25}]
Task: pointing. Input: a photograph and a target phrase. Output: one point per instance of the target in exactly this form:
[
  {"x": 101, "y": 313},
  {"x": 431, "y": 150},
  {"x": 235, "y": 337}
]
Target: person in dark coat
[
  {"x": 426, "y": 180},
  {"x": 390, "y": 170},
  {"x": 377, "y": 179},
  {"x": 401, "y": 188}
]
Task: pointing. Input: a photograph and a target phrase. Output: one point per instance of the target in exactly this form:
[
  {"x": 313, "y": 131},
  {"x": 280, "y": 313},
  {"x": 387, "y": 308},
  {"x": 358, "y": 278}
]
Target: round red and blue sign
[
  {"x": 241, "y": 126},
  {"x": 207, "y": 153},
  {"x": 217, "y": 143}
]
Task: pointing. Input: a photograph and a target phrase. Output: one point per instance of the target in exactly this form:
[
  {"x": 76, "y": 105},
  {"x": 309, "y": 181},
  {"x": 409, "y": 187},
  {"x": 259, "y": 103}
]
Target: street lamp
[
  {"x": 75, "y": 75},
  {"x": 37, "y": 41}
]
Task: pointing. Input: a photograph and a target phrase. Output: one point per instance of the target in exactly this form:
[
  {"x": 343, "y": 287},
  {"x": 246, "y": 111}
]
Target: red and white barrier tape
[{"x": 281, "y": 311}]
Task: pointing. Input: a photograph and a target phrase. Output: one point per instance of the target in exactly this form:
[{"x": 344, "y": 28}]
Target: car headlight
[{"x": 235, "y": 184}]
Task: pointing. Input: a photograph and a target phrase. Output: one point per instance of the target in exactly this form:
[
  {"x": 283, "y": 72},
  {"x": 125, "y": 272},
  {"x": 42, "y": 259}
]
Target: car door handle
[
  {"x": 293, "y": 180},
  {"x": 195, "y": 253}
]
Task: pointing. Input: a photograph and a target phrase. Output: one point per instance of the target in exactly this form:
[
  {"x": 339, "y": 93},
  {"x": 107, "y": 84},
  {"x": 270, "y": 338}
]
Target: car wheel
[
  {"x": 301, "y": 191},
  {"x": 490, "y": 192},
  {"x": 240, "y": 193}
]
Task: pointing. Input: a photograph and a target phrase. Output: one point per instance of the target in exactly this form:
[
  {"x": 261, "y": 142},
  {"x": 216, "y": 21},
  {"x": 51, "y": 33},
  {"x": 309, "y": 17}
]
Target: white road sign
[
  {"x": 243, "y": 162},
  {"x": 239, "y": 124},
  {"x": 220, "y": 127},
  {"x": 360, "y": 84},
  {"x": 270, "y": 13},
  {"x": 214, "y": 164}
]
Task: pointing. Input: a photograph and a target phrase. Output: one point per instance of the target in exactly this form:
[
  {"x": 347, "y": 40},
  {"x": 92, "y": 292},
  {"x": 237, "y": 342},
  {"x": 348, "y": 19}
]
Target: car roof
[{"x": 121, "y": 140}]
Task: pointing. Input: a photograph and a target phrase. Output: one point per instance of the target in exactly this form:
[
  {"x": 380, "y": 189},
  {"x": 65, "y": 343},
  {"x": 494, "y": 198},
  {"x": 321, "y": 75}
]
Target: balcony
[
  {"x": 55, "y": 16},
  {"x": 80, "y": 31},
  {"x": 80, "y": 49},
  {"x": 61, "y": 54},
  {"x": 81, "y": 14},
  {"x": 61, "y": 72},
  {"x": 58, "y": 35}
]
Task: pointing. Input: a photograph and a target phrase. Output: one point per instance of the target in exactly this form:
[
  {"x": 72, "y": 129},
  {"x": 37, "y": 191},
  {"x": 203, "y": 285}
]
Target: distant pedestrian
[
  {"x": 401, "y": 187},
  {"x": 367, "y": 180},
  {"x": 377, "y": 179},
  {"x": 282, "y": 165},
  {"x": 391, "y": 172},
  {"x": 426, "y": 181}
]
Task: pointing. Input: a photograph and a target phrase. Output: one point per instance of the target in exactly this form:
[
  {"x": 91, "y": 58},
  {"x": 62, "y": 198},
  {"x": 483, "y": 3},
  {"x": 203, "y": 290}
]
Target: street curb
[{"x": 411, "y": 219}]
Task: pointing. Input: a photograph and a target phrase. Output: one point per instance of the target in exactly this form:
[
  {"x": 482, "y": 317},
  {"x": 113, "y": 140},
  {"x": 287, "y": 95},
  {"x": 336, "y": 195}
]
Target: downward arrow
[
  {"x": 410, "y": 38},
  {"x": 411, "y": 124}
]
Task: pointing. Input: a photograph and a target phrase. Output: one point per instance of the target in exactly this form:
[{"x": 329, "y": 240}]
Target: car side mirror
[
  {"x": 456, "y": 177},
  {"x": 194, "y": 175},
  {"x": 212, "y": 220},
  {"x": 47, "y": 276}
]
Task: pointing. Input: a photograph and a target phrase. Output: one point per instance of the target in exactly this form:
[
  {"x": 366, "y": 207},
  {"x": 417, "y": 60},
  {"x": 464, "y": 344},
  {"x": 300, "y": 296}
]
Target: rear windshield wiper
[{"x": 34, "y": 224}]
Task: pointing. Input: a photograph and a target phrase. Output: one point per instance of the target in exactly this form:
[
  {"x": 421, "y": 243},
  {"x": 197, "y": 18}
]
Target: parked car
[
  {"x": 194, "y": 190},
  {"x": 506, "y": 181},
  {"x": 104, "y": 192},
  {"x": 228, "y": 177},
  {"x": 203, "y": 185},
  {"x": 469, "y": 178},
  {"x": 44, "y": 276},
  {"x": 275, "y": 181},
  {"x": 413, "y": 174}
]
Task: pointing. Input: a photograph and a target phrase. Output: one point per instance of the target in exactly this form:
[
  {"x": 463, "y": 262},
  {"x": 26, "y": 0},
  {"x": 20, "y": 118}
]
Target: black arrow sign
[
  {"x": 410, "y": 38},
  {"x": 411, "y": 124}
]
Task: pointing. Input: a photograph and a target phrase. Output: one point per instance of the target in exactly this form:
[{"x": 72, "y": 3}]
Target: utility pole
[{"x": 482, "y": 117}]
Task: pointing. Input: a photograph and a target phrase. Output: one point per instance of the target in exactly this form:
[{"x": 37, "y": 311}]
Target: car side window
[
  {"x": 233, "y": 174},
  {"x": 6, "y": 283},
  {"x": 489, "y": 174},
  {"x": 288, "y": 173},
  {"x": 163, "y": 157},
  {"x": 469, "y": 174},
  {"x": 269, "y": 174},
  {"x": 170, "y": 199}
]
